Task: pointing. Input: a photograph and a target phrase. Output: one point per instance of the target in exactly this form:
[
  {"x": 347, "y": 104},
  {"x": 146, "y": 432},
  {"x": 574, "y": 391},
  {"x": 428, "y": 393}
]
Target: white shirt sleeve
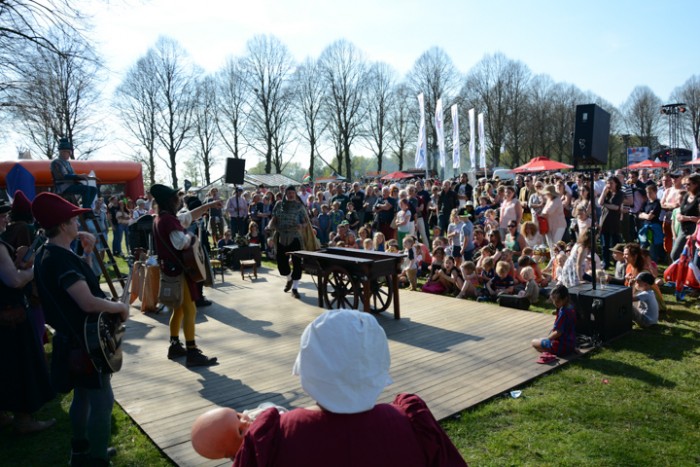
[{"x": 179, "y": 239}]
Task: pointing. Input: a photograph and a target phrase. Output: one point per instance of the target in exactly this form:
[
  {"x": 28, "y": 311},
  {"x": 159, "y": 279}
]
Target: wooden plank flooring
[{"x": 453, "y": 353}]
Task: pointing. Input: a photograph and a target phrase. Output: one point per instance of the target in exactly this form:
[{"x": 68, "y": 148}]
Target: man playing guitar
[
  {"x": 171, "y": 239},
  {"x": 69, "y": 292}
]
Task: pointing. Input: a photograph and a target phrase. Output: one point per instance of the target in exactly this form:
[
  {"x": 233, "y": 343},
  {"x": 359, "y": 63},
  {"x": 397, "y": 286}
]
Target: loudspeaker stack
[{"x": 591, "y": 134}]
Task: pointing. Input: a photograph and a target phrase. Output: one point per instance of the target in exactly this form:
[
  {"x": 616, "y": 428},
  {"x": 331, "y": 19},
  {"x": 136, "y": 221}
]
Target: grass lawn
[{"x": 633, "y": 402}]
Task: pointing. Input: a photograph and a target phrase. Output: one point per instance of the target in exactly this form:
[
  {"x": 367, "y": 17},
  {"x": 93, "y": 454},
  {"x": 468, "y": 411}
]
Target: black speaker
[
  {"x": 604, "y": 313},
  {"x": 235, "y": 171},
  {"x": 591, "y": 133}
]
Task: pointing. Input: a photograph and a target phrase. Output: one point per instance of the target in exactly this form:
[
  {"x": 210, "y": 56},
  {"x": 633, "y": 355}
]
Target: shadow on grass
[
  {"x": 661, "y": 342},
  {"x": 618, "y": 368}
]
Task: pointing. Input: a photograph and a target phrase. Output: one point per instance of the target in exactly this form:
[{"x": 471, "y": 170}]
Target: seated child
[
  {"x": 618, "y": 253},
  {"x": 367, "y": 244},
  {"x": 562, "y": 338},
  {"x": 501, "y": 283},
  {"x": 487, "y": 270},
  {"x": 450, "y": 276},
  {"x": 392, "y": 246},
  {"x": 379, "y": 241},
  {"x": 433, "y": 285},
  {"x": 526, "y": 297},
  {"x": 645, "y": 308},
  {"x": 471, "y": 282}
]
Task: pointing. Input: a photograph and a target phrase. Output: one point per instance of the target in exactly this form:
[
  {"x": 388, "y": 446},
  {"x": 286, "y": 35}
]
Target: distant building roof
[{"x": 269, "y": 180}]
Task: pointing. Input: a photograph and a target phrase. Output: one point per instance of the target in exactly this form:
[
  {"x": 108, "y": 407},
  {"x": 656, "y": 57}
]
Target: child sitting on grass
[
  {"x": 645, "y": 308},
  {"x": 502, "y": 283},
  {"x": 618, "y": 253},
  {"x": 524, "y": 297},
  {"x": 433, "y": 285},
  {"x": 472, "y": 282},
  {"x": 487, "y": 270},
  {"x": 562, "y": 338}
]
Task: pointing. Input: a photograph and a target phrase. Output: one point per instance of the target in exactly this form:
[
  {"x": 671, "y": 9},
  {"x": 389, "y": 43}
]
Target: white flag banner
[
  {"x": 440, "y": 131},
  {"x": 482, "y": 142},
  {"x": 421, "y": 146},
  {"x": 455, "y": 138},
  {"x": 695, "y": 149},
  {"x": 472, "y": 139}
]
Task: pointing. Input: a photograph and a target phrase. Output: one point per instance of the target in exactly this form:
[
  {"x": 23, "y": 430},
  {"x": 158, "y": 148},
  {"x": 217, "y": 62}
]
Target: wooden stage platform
[{"x": 453, "y": 353}]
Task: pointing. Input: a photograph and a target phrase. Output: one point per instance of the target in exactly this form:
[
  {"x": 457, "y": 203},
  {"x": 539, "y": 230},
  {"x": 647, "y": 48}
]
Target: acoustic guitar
[
  {"x": 195, "y": 261},
  {"x": 103, "y": 334}
]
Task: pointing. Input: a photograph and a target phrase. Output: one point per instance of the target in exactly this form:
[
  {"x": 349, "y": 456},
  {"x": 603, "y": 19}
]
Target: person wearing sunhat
[
  {"x": 69, "y": 291},
  {"x": 171, "y": 238},
  {"x": 343, "y": 365},
  {"x": 67, "y": 181}
]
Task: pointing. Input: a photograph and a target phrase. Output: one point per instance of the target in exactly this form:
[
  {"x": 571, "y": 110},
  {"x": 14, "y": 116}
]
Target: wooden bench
[{"x": 249, "y": 264}]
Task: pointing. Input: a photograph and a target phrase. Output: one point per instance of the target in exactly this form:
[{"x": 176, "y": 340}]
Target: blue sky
[{"x": 607, "y": 47}]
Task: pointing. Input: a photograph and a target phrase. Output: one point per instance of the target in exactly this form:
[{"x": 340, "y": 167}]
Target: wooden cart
[{"x": 346, "y": 277}]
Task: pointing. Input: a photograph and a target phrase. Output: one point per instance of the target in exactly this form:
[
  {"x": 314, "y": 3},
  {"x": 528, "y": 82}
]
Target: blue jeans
[
  {"x": 119, "y": 232},
  {"x": 87, "y": 193},
  {"x": 607, "y": 241}
]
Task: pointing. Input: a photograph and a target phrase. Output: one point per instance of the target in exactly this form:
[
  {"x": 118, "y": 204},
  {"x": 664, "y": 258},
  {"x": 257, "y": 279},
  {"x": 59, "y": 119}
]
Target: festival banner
[
  {"x": 455, "y": 138},
  {"x": 421, "y": 146},
  {"x": 695, "y": 149},
  {"x": 472, "y": 140},
  {"x": 440, "y": 132},
  {"x": 482, "y": 142}
]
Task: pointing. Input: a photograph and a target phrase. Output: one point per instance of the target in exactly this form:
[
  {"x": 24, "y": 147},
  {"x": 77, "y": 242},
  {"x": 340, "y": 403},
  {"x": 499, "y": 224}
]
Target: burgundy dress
[{"x": 403, "y": 433}]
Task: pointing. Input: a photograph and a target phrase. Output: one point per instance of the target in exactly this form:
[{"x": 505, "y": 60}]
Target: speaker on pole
[
  {"x": 591, "y": 134},
  {"x": 235, "y": 171}
]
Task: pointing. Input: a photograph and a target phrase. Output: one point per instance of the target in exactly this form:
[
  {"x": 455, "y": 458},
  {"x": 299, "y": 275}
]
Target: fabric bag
[
  {"x": 542, "y": 224},
  {"x": 12, "y": 316},
  {"x": 170, "y": 292},
  {"x": 393, "y": 222}
]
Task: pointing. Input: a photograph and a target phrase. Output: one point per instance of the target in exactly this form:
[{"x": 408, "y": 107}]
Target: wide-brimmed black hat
[{"x": 162, "y": 194}]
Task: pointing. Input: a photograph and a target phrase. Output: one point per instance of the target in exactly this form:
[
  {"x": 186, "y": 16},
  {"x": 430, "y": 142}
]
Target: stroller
[{"x": 683, "y": 272}]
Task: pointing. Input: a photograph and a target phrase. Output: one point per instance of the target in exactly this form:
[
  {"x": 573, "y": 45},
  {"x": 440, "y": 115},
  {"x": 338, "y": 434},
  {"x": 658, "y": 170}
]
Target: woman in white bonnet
[{"x": 343, "y": 364}]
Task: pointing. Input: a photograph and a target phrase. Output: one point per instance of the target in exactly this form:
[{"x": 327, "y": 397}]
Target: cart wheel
[
  {"x": 341, "y": 289},
  {"x": 382, "y": 293}
]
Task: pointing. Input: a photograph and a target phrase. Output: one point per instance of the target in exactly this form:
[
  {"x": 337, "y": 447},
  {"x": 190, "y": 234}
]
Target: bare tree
[
  {"x": 24, "y": 24},
  {"x": 137, "y": 103},
  {"x": 642, "y": 115},
  {"x": 402, "y": 125},
  {"x": 436, "y": 77},
  {"x": 59, "y": 93},
  {"x": 518, "y": 77},
  {"x": 689, "y": 93},
  {"x": 175, "y": 77},
  {"x": 269, "y": 64},
  {"x": 343, "y": 68},
  {"x": 309, "y": 92},
  {"x": 380, "y": 87},
  {"x": 232, "y": 102},
  {"x": 205, "y": 124}
]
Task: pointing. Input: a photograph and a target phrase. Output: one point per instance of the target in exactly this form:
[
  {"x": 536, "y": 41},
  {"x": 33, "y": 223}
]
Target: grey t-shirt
[{"x": 648, "y": 308}]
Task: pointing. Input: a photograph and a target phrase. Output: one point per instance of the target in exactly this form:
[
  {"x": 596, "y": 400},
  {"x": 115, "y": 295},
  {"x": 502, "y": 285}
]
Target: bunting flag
[
  {"x": 440, "y": 132},
  {"x": 695, "y": 149},
  {"x": 455, "y": 138},
  {"x": 472, "y": 139},
  {"x": 482, "y": 142},
  {"x": 421, "y": 146}
]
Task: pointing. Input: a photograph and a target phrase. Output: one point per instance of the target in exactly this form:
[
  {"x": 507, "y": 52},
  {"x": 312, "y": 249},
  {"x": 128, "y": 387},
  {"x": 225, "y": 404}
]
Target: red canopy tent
[
  {"x": 693, "y": 162},
  {"x": 649, "y": 164},
  {"x": 542, "y": 164},
  {"x": 398, "y": 175}
]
